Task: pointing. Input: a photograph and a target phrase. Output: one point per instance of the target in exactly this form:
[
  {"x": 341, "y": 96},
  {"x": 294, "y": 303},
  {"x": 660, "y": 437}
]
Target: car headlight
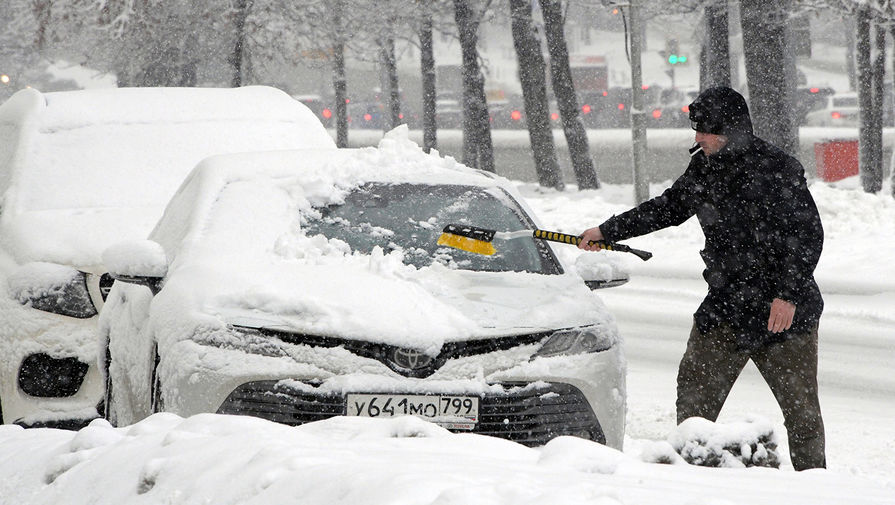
[
  {"x": 52, "y": 288},
  {"x": 576, "y": 341}
]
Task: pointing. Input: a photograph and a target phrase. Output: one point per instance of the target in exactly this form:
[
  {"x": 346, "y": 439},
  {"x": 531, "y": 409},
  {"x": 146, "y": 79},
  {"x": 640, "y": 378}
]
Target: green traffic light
[
  {"x": 673, "y": 59},
  {"x": 682, "y": 59}
]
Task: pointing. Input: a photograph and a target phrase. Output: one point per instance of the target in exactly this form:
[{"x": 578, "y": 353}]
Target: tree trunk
[
  {"x": 340, "y": 82},
  {"x": 872, "y": 179},
  {"x": 42, "y": 10},
  {"x": 717, "y": 46},
  {"x": 865, "y": 97},
  {"x": 891, "y": 164},
  {"x": 427, "y": 69},
  {"x": 237, "y": 58},
  {"x": 478, "y": 150},
  {"x": 767, "y": 62},
  {"x": 567, "y": 101},
  {"x": 390, "y": 91},
  {"x": 533, "y": 78}
]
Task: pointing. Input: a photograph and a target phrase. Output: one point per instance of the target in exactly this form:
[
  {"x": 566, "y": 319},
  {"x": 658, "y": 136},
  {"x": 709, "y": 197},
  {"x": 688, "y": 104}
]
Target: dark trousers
[{"x": 712, "y": 363}]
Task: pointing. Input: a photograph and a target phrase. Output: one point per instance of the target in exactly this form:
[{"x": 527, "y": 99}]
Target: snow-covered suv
[
  {"x": 296, "y": 286},
  {"x": 80, "y": 170}
]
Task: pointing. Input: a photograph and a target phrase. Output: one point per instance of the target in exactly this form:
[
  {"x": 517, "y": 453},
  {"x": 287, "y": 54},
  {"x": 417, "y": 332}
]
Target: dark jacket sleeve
[
  {"x": 674, "y": 206},
  {"x": 795, "y": 233}
]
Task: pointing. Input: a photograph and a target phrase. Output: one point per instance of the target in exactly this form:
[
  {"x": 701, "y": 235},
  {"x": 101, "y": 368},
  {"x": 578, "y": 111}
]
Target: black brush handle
[{"x": 575, "y": 240}]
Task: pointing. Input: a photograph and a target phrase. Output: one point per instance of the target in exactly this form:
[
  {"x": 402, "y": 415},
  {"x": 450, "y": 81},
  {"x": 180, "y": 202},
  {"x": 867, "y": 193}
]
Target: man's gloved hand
[
  {"x": 590, "y": 235},
  {"x": 781, "y": 316}
]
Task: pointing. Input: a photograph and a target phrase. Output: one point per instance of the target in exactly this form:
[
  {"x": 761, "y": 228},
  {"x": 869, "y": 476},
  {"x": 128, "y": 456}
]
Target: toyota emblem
[{"x": 410, "y": 359}]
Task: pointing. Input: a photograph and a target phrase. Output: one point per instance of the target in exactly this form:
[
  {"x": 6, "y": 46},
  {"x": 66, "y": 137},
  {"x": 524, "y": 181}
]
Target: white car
[
  {"x": 840, "y": 109},
  {"x": 79, "y": 171},
  {"x": 297, "y": 286}
]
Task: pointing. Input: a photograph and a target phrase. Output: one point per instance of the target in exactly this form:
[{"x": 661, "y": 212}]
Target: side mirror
[
  {"x": 601, "y": 271},
  {"x": 141, "y": 262},
  {"x": 51, "y": 287}
]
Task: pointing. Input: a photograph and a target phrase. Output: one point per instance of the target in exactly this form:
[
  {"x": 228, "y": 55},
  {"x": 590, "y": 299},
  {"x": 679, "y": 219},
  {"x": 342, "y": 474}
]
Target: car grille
[
  {"x": 529, "y": 416},
  {"x": 384, "y": 353}
]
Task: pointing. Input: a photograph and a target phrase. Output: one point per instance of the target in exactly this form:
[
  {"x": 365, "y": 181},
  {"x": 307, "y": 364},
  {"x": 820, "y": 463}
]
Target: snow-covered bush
[{"x": 736, "y": 445}]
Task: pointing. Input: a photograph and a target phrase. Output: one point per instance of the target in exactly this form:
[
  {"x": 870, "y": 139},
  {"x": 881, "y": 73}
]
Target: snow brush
[{"x": 478, "y": 240}]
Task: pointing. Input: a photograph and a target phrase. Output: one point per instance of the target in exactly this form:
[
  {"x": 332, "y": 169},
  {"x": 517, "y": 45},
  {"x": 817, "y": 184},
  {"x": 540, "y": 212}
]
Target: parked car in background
[
  {"x": 840, "y": 109},
  {"x": 80, "y": 170},
  {"x": 322, "y": 108},
  {"x": 671, "y": 110},
  {"x": 448, "y": 112},
  {"x": 333, "y": 298}
]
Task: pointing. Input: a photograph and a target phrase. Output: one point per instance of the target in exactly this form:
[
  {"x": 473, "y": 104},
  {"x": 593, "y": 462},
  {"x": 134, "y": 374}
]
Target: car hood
[{"x": 379, "y": 299}]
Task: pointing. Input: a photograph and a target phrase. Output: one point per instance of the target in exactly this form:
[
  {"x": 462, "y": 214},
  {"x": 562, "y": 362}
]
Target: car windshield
[{"x": 410, "y": 217}]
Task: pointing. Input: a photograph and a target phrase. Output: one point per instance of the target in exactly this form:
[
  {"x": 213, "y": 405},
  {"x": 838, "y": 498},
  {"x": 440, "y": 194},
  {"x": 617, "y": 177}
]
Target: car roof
[
  {"x": 324, "y": 176},
  {"x": 82, "y": 169}
]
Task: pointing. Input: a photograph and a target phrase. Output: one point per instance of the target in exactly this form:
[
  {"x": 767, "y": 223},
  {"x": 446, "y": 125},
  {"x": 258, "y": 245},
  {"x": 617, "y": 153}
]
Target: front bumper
[
  {"x": 530, "y": 414},
  {"x": 581, "y": 394}
]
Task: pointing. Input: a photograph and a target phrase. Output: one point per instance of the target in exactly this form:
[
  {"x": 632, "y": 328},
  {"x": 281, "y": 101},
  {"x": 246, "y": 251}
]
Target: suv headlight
[
  {"x": 52, "y": 288},
  {"x": 576, "y": 341}
]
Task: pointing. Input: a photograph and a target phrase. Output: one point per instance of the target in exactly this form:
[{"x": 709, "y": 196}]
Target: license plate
[{"x": 452, "y": 412}]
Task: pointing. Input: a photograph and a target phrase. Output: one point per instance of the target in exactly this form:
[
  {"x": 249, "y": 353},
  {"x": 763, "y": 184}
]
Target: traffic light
[{"x": 673, "y": 53}]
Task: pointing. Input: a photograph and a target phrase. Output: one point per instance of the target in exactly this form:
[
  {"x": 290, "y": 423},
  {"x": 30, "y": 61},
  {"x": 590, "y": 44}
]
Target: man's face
[{"x": 710, "y": 142}]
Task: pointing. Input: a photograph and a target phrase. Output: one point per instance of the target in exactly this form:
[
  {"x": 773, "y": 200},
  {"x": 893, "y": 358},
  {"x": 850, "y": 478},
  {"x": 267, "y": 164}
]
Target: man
[{"x": 763, "y": 238}]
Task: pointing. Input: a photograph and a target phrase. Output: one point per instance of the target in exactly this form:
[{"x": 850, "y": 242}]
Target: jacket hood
[{"x": 721, "y": 111}]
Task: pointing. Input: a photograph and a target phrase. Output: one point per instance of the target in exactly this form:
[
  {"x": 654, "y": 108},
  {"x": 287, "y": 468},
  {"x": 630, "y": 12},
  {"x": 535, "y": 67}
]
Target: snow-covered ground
[{"x": 221, "y": 460}]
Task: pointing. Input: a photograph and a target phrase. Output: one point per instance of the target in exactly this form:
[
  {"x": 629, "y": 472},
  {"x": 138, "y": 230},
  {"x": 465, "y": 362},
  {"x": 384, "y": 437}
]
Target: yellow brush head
[{"x": 466, "y": 244}]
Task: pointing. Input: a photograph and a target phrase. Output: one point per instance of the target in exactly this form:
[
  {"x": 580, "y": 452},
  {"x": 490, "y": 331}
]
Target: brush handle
[{"x": 564, "y": 238}]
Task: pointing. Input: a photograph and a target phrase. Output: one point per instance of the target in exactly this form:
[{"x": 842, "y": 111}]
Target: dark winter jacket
[{"x": 763, "y": 235}]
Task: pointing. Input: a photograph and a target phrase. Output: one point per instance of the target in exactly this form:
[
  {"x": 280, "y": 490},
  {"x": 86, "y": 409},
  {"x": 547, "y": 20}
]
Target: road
[{"x": 857, "y": 383}]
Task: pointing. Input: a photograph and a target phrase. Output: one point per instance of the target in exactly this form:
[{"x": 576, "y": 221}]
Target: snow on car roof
[{"x": 83, "y": 169}]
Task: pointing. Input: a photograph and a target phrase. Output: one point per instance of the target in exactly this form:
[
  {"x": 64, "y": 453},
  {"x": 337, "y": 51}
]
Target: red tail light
[
  {"x": 836, "y": 115},
  {"x": 605, "y": 93},
  {"x": 554, "y": 116},
  {"x": 585, "y": 108},
  {"x": 685, "y": 108},
  {"x": 657, "y": 113},
  {"x": 401, "y": 115},
  {"x": 367, "y": 117},
  {"x": 621, "y": 106},
  {"x": 326, "y": 113},
  {"x": 814, "y": 90},
  {"x": 516, "y": 115}
]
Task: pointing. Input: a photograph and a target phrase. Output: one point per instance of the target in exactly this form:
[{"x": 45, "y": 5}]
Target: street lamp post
[{"x": 638, "y": 114}]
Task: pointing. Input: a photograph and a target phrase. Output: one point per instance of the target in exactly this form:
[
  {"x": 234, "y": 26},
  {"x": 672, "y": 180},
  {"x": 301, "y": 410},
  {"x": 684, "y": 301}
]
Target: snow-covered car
[
  {"x": 297, "y": 286},
  {"x": 840, "y": 109},
  {"x": 80, "y": 170}
]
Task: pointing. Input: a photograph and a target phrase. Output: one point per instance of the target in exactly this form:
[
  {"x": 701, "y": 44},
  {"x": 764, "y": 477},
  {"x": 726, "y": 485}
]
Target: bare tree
[
  {"x": 478, "y": 150},
  {"x": 427, "y": 72},
  {"x": 566, "y": 99},
  {"x": 238, "y": 59},
  {"x": 533, "y": 78},
  {"x": 770, "y": 91},
  {"x": 716, "y": 46}
]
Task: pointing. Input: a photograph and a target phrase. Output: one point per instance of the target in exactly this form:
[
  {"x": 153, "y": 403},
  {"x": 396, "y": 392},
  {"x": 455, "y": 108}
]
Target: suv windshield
[{"x": 410, "y": 217}]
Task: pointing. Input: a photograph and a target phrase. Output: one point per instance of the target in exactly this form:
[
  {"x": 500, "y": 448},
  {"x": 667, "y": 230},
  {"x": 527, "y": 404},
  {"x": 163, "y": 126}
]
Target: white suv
[{"x": 80, "y": 170}]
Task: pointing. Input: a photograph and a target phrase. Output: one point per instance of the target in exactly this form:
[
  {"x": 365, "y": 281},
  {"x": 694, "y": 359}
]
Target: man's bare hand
[
  {"x": 782, "y": 313},
  {"x": 591, "y": 235}
]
